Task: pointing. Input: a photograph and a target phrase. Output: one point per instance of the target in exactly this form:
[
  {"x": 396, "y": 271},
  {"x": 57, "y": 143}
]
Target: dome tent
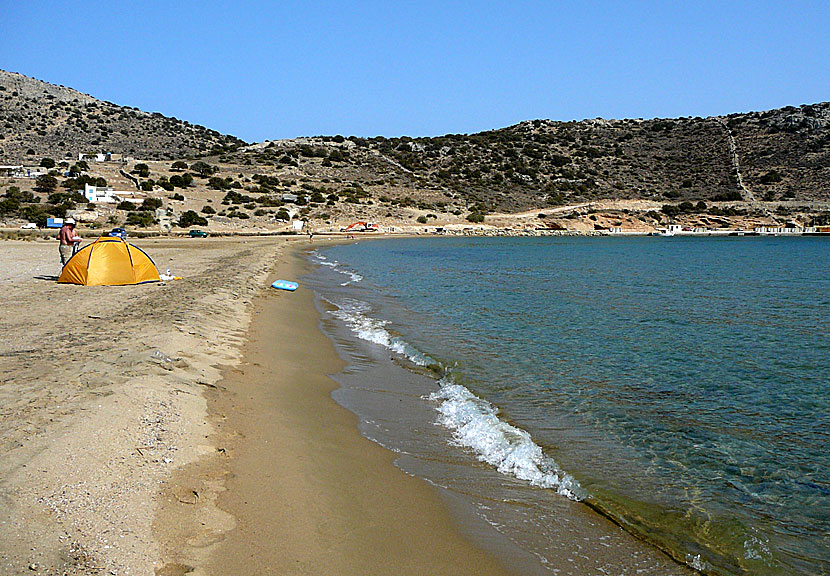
[{"x": 109, "y": 261}]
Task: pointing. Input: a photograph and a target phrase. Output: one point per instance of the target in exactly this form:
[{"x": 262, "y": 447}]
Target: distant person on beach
[{"x": 68, "y": 239}]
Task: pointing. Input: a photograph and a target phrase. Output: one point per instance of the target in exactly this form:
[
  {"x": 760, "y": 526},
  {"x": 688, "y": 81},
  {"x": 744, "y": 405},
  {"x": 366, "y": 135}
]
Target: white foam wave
[
  {"x": 355, "y": 314},
  {"x": 476, "y": 425},
  {"x": 355, "y": 277}
]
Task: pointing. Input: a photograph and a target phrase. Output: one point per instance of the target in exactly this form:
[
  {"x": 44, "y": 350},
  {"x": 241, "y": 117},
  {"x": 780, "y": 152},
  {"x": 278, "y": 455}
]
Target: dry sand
[
  {"x": 91, "y": 425},
  {"x": 116, "y": 462}
]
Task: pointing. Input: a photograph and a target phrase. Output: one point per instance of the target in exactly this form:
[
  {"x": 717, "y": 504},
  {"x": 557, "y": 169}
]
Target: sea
[{"x": 605, "y": 405}]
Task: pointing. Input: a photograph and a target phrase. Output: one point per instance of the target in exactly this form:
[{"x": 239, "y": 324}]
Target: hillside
[
  {"x": 742, "y": 170},
  {"x": 54, "y": 121},
  {"x": 777, "y": 155}
]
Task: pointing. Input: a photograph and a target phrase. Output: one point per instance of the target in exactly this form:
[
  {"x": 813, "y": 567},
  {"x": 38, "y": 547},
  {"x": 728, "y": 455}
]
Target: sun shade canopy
[{"x": 109, "y": 261}]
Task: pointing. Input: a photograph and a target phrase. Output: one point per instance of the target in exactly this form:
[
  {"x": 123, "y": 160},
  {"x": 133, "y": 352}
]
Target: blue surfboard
[{"x": 285, "y": 285}]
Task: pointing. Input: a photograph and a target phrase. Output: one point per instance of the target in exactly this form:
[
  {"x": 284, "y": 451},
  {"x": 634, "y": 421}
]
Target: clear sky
[{"x": 269, "y": 70}]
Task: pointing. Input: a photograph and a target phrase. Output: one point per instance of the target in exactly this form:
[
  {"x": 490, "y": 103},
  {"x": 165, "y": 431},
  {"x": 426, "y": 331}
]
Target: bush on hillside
[
  {"x": 731, "y": 196},
  {"x": 46, "y": 183},
  {"x": 191, "y": 218},
  {"x": 204, "y": 169},
  {"x": 142, "y": 170},
  {"x": 771, "y": 177},
  {"x": 79, "y": 182},
  {"x": 139, "y": 218},
  {"x": 475, "y": 217},
  {"x": 150, "y": 204},
  {"x": 165, "y": 183}
]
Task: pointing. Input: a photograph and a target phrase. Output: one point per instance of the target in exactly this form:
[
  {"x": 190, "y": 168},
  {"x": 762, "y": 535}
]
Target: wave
[
  {"x": 354, "y": 277},
  {"x": 354, "y": 314},
  {"x": 476, "y": 425},
  {"x": 474, "y": 422}
]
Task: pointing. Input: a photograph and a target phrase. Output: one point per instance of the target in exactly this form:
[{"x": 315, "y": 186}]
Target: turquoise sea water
[{"x": 679, "y": 386}]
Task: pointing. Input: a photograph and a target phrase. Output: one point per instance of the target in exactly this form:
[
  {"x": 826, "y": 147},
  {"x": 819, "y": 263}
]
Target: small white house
[
  {"x": 101, "y": 195},
  {"x": 101, "y": 157}
]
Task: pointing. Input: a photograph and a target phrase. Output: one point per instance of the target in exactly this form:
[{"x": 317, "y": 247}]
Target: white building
[
  {"x": 101, "y": 195},
  {"x": 101, "y": 157}
]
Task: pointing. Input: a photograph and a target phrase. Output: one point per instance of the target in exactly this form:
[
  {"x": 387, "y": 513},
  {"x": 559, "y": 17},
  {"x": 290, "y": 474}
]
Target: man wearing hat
[{"x": 68, "y": 239}]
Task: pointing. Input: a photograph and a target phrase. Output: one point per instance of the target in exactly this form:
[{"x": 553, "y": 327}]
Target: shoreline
[
  {"x": 166, "y": 435},
  {"x": 325, "y": 499},
  {"x": 387, "y": 392}
]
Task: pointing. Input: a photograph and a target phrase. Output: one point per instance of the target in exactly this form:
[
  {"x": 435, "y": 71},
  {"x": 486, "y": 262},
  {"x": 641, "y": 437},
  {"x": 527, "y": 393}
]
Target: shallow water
[{"x": 679, "y": 386}]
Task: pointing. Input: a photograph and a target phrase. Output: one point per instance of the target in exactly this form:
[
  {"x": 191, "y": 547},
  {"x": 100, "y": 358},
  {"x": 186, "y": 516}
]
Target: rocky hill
[
  {"x": 38, "y": 119},
  {"x": 737, "y": 171},
  {"x": 760, "y": 156}
]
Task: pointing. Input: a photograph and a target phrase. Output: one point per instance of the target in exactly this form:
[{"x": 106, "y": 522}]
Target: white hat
[{"x": 69, "y": 221}]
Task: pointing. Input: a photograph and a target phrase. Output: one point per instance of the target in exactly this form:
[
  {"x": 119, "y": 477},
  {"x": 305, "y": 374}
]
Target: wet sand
[{"x": 304, "y": 491}]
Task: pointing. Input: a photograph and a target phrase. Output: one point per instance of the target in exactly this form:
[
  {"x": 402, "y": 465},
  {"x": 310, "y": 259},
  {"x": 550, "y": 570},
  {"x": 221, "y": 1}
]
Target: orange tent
[{"x": 109, "y": 261}]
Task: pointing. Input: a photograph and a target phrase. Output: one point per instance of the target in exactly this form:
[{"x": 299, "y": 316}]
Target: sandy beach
[
  {"x": 93, "y": 423},
  {"x": 176, "y": 428}
]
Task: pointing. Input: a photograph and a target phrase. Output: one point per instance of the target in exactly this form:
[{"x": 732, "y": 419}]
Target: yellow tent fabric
[{"x": 109, "y": 261}]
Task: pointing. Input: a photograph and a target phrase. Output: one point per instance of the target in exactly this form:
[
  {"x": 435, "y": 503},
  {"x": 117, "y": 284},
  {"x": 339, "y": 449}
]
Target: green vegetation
[
  {"x": 78, "y": 182},
  {"x": 181, "y": 181},
  {"x": 204, "y": 169},
  {"x": 142, "y": 219},
  {"x": 771, "y": 177},
  {"x": 731, "y": 196},
  {"x": 46, "y": 184},
  {"x": 191, "y": 218},
  {"x": 142, "y": 170},
  {"x": 475, "y": 217},
  {"x": 150, "y": 204}
]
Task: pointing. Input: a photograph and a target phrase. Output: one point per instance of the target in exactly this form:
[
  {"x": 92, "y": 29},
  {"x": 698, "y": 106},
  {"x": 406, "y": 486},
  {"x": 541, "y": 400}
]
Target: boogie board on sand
[{"x": 285, "y": 285}]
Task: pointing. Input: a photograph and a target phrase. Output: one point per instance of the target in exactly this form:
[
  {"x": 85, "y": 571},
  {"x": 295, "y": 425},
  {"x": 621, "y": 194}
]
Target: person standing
[{"x": 68, "y": 240}]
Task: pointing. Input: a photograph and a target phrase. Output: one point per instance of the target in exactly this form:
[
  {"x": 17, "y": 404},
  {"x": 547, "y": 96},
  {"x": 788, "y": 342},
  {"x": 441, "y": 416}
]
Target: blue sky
[{"x": 268, "y": 70}]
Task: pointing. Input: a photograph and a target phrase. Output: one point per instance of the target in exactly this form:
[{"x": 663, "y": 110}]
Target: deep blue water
[{"x": 682, "y": 383}]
